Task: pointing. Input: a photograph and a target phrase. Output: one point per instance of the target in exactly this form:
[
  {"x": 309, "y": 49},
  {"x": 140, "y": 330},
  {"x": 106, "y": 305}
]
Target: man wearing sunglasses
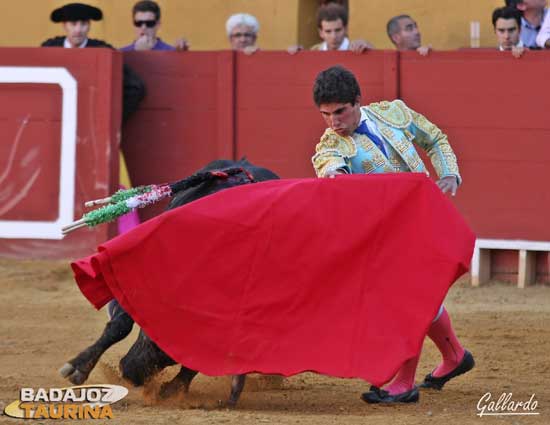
[{"x": 146, "y": 16}]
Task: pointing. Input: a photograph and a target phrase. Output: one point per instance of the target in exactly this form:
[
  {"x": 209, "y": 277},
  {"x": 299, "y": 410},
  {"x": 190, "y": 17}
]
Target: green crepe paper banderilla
[
  {"x": 106, "y": 213},
  {"x": 123, "y": 194}
]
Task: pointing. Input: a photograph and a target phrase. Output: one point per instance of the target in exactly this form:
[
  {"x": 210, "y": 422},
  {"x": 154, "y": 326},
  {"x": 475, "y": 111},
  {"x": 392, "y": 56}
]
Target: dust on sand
[{"x": 45, "y": 321}]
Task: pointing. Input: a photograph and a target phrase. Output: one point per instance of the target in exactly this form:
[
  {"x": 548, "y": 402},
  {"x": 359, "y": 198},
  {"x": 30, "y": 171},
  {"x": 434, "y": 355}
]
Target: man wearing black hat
[{"x": 75, "y": 18}]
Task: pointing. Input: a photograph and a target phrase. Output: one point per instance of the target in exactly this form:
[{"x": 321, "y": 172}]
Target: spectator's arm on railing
[
  {"x": 543, "y": 37},
  {"x": 182, "y": 45},
  {"x": 518, "y": 52},
  {"x": 424, "y": 50},
  {"x": 360, "y": 46}
]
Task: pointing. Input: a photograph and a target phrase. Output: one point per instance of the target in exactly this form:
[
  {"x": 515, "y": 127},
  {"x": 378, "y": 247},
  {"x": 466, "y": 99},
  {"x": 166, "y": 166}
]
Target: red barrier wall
[
  {"x": 206, "y": 105},
  {"x": 203, "y": 106},
  {"x": 261, "y": 107},
  {"x": 30, "y": 125},
  {"x": 494, "y": 110},
  {"x": 186, "y": 119},
  {"x": 277, "y": 124}
]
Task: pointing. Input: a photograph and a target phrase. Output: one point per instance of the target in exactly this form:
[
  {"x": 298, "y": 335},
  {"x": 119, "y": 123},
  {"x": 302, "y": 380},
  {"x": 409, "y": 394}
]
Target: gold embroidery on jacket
[
  {"x": 331, "y": 153},
  {"x": 363, "y": 141},
  {"x": 395, "y": 114},
  {"x": 426, "y": 126},
  {"x": 413, "y": 161},
  {"x": 368, "y": 166},
  {"x": 435, "y": 143},
  {"x": 396, "y": 164},
  {"x": 378, "y": 160},
  {"x": 402, "y": 146},
  {"x": 331, "y": 140}
]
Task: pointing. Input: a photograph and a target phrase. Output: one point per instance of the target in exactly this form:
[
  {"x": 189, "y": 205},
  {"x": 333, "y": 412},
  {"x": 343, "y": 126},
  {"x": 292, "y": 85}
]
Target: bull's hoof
[
  {"x": 78, "y": 377},
  {"x": 227, "y": 404},
  {"x": 75, "y": 376},
  {"x": 66, "y": 370}
]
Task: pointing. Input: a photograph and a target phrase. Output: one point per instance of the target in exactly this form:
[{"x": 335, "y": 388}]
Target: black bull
[{"x": 145, "y": 358}]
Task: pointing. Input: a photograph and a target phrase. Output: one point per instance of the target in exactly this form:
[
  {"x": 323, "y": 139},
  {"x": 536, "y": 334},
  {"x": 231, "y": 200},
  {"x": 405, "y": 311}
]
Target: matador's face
[{"x": 343, "y": 118}]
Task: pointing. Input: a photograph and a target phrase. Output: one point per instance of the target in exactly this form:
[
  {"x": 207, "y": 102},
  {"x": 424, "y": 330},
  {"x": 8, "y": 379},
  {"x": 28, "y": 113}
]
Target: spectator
[
  {"x": 146, "y": 16},
  {"x": 332, "y": 24},
  {"x": 507, "y": 24},
  {"x": 543, "y": 37},
  {"x": 404, "y": 34},
  {"x": 242, "y": 31},
  {"x": 533, "y": 14},
  {"x": 75, "y": 20}
]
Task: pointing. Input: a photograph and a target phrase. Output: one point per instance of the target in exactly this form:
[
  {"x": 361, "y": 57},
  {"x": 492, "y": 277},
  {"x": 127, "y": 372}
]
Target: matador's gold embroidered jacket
[{"x": 400, "y": 126}]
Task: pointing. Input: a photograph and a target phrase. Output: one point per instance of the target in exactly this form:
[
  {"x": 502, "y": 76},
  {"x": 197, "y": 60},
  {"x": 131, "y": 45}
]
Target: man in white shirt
[
  {"x": 332, "y": 24},
  {"x": 533, "y": 14},
  {"x": 543, "y": 36}
]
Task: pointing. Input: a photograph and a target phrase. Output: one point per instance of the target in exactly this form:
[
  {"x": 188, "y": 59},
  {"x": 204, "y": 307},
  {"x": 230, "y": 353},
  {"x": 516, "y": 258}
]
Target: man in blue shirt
[
  {"x": 533, "y": 14},
  {"x": 146, "y": 15}
]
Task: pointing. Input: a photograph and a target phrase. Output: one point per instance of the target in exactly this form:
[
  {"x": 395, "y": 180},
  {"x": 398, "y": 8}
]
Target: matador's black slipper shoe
[
  {"x": 437, "y": 383},
  {"x": 377, "y": 395}
]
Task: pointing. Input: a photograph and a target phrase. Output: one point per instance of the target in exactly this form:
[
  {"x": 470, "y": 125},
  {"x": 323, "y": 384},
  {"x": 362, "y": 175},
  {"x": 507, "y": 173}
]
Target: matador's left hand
[{"x": 448, "y": 184}]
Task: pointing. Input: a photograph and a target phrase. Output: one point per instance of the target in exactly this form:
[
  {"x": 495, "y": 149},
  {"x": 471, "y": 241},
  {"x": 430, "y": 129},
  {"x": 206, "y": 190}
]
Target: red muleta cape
[{"x": 338, "y": 276}]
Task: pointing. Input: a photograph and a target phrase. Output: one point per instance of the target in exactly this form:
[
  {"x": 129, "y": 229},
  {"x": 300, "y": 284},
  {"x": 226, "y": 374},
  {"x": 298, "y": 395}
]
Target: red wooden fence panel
[
  {"x": 186, "y": 119},
  {"x": 30, "y": 127},
  {"x": 494, "y": 109},
  {"x": 201, "y": 106},
  {"x": 277, "y": 123}
]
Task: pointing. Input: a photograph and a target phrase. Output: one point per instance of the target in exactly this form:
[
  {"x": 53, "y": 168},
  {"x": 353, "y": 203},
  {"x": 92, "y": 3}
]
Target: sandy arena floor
[{"x": 44, "y": 321}]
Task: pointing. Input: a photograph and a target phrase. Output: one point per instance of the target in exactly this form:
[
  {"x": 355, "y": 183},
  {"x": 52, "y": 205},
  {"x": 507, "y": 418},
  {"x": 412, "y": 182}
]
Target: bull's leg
[
  {"x": 79, "y": 368},
  {"x": 181, "y": 381},
  {"x": 144, "y": 360},
  {"x": 237, "y": 385}
]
